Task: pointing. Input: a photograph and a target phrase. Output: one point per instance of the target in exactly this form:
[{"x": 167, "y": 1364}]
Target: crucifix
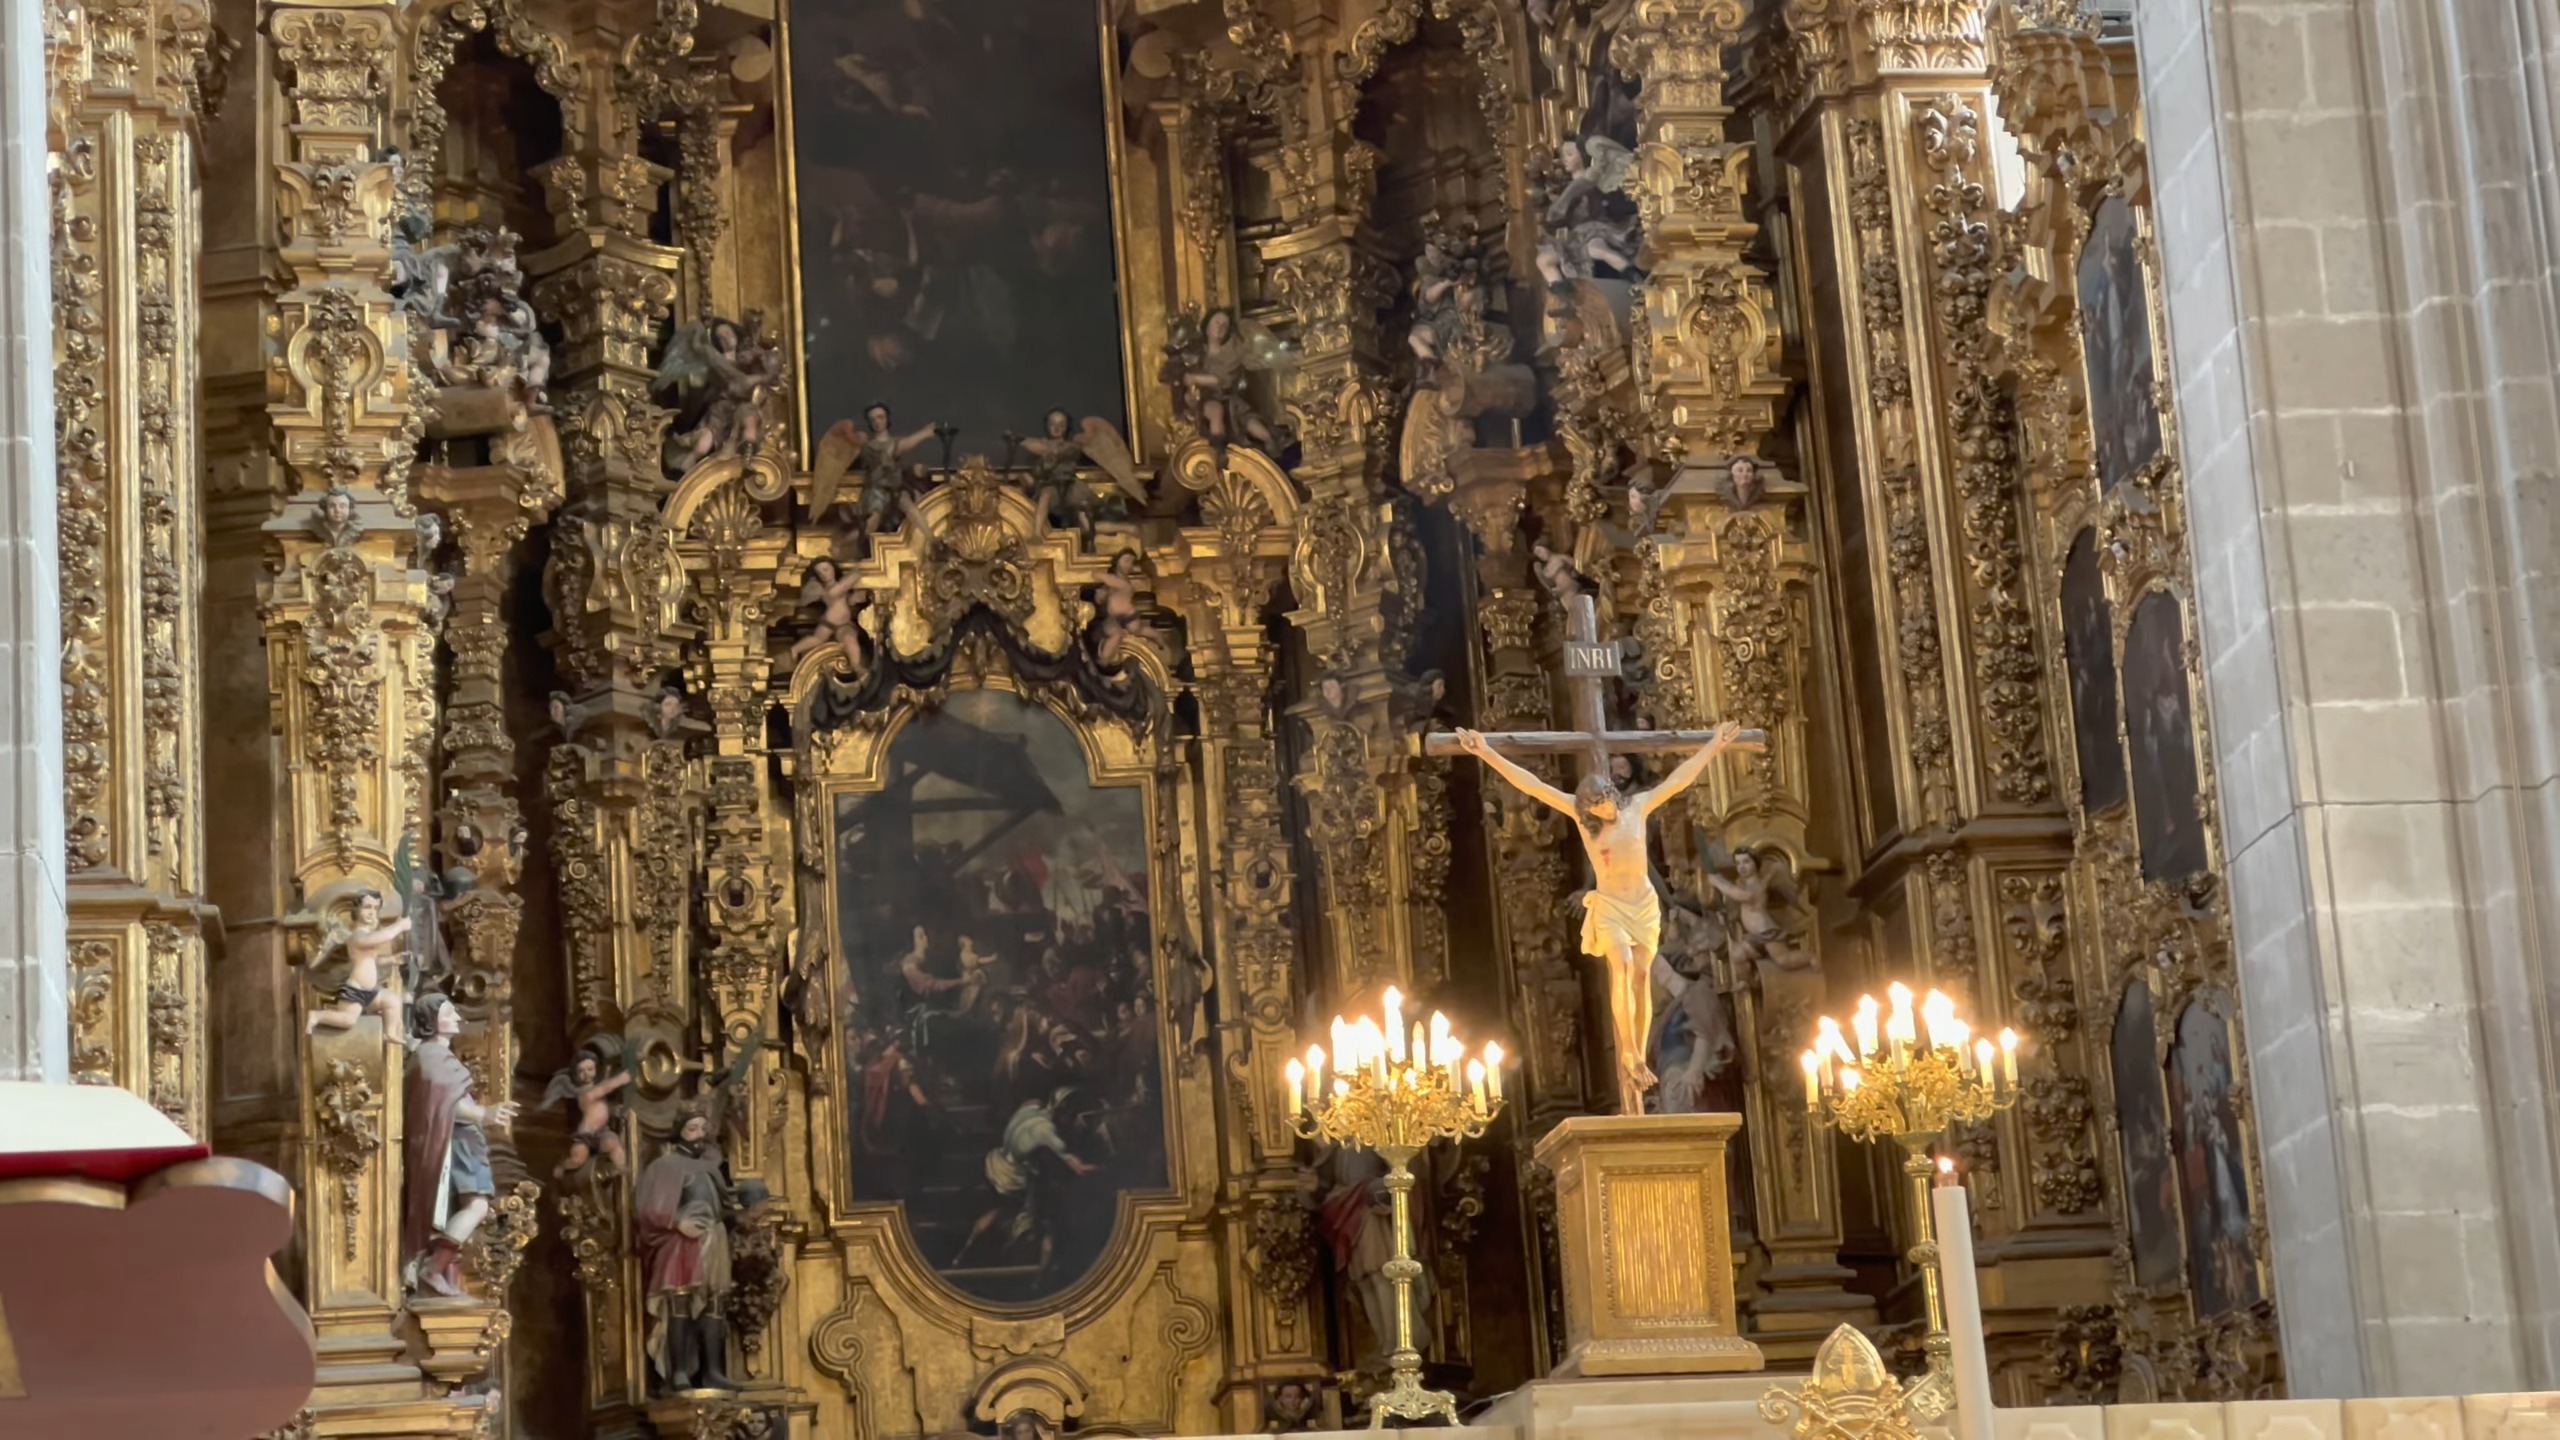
[{"x": 1622, "y": 916}]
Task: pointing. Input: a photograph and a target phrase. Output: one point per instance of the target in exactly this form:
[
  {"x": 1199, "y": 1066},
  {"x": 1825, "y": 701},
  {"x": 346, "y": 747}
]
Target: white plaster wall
[
  {"x": 2356, "y": 202},
  {"x": 34, "y": 1024}
]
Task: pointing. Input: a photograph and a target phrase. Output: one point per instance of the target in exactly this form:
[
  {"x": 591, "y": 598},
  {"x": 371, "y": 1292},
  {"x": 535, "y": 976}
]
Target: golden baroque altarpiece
[{"x": 1811, "y": 341}]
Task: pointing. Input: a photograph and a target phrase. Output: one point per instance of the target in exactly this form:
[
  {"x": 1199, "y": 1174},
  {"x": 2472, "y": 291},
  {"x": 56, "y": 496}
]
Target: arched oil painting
[{"x": 1000, "y": 1017}]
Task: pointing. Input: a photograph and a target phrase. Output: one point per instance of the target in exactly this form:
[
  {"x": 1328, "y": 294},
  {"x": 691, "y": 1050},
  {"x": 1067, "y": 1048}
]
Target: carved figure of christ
[{"x": 1622, "y": 916}]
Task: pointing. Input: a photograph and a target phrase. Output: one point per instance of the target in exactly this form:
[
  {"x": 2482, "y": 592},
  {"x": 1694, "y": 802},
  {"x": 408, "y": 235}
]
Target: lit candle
[
  {"x": 1342, "y": 1044},
  {"x": 1421, "y": 1048},
  {"x": 1812, "y": 1081},
  {"x": 1315, "y": 1073},
  {"x": 2009, "y": 1057},
  {"x": 1946, "y": 1169},
  {"x": 1929, "y": 1012},
  {"x": 1493, "y": 1070},
  {"x": 1865, "y": 1021},
  {"x": 1395, "y": 1024},
  {"x": 1475, "y": 1083},
  {"x": 1297, "y": 1084},
  {"x": 1982, "y": 1057},
  {"x": 1897, "y": 1026},
  {"x": 1849, "y": 1079}
]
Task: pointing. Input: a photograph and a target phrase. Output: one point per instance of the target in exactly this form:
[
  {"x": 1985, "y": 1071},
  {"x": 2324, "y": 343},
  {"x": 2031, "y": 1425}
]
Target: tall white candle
[{"x": 1957, "y": 1281}]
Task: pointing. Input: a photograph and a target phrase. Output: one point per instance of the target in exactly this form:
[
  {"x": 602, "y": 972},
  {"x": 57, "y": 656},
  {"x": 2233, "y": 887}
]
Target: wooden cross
[{"x": 1590, "y": 663}]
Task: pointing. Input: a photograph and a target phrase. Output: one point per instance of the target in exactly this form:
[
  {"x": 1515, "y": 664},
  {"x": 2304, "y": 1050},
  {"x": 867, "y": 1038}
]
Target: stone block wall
[
  {"x": 34, "y": 1022},
  {"x": 2357, "y": 208}
]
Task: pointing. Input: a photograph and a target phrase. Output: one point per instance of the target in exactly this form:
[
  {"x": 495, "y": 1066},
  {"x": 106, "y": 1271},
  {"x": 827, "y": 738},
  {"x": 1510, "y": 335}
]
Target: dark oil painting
[
  {"x": 2142, "y": 1124},
  {"x": 2089, "y": 648},
  {"x": 1000, "y": 1014},
  {"x": 2115, "y": 343},
  {"x": 954, "y": 183},
  {"x": 2213, "y": 1176},
  {"x": 2168, "y": 800}
]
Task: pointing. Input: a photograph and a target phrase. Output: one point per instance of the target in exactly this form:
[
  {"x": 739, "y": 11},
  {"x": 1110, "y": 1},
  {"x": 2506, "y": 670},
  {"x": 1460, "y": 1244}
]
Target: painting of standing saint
[
  {"x": 2115, "y": 344},
  {"x": 953, "y": 173},
  {"x": 1000, "y": 1018}
]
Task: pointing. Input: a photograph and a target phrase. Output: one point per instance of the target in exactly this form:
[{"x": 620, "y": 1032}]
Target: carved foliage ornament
[
  {"x": 2007, "y": 674},
  {"x": 346, "y": 1110}
]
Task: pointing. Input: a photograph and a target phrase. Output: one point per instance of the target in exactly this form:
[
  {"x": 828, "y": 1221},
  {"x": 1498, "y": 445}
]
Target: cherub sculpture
[
  {"x": 828, "y": 598},
  {"x": 718, "y": 375},
  {"x": 591, "y": 1087},
  {"x": 1555, "y": 571},
  {"x": 1118, "y": 622},
  {"x": 363, "y": 946},
  {"x": 334, "y": 518},
  {"x": 1588, "y": 221},
  {"x": 1208, "y": 361},
  {"x": 1757, "y": 892},
  {"x": 1059, "y": 490},
  {"x": 1445, "y": 276}
]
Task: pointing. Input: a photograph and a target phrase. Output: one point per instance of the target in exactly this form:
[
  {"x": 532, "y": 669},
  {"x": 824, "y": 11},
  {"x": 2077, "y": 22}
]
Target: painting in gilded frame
[
  {"x": 952, "y": 168},
  {"x": 999, "y": 997},
  {"x": 2115, "y": 344}
]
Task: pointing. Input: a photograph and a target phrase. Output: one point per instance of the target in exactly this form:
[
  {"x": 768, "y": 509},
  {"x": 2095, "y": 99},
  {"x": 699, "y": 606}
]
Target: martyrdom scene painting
[
  {"x": 2115, "y": 341},
  {"x": 2168, "y": 813},
  {"x": 954, "y": 179},
  {"x": 2088, "y": 640},
  {"x": 2142, "y": 1124},
  {"x": 2213, "y": 1178},
  {"x": 1000, "y": 1014}
]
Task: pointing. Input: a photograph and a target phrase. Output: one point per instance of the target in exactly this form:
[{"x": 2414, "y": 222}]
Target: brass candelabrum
[
  {"x": 1396, "y": 1093},
  {"x": 1907, "y": 1078}
]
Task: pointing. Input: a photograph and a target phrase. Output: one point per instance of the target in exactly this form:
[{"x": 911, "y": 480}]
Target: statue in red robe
[
  {"x": 447, "y": 1176},
  {"x": 679, "y": 1223}
]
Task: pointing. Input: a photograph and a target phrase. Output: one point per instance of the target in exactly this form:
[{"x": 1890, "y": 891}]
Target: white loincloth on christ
[{"x": 1638, "y": 922}]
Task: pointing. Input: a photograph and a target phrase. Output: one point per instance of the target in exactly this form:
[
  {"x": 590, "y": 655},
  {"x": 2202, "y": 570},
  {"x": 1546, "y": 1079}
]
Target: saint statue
[
  {"x": 448, "y": 1178},
  {"x": 1622, "y": 916},
  {"x": 679, "y": 1224}
]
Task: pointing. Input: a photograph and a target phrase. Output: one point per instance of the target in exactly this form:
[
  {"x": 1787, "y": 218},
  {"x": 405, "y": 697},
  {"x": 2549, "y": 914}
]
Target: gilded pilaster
[
  {"x": 1885, "y": 115},
  {"x": 1232, "y": 568},
  {"x": 350, "y": 644},
  {"x": 618, "y": 780},
  {"x": 126, "y": 87}
]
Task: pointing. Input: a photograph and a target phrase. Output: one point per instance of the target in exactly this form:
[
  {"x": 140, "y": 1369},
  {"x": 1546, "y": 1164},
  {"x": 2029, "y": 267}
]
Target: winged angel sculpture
[
  {"x": 1208, "y": 362},
  {"x": 718, "y": 376},
  {"x": 1590, "y": 221},
  {"x": 1058, "y": 486}
]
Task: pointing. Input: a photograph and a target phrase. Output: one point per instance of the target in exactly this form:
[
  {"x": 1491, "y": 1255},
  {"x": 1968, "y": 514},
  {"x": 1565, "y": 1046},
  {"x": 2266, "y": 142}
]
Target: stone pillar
[
  {"x": 35, "y": 1038},
  {"x": 2356, "y": 217}
]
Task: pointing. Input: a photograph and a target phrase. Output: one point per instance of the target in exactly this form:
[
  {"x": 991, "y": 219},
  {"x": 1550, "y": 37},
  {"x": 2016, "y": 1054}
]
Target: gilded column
[
  {"x": 1231, "y": 571},
  {"x": 1729, "y": 609},
  {"x": 621, "y": 836},
  {"x": 1354, "y": 546},
  {"x": 351, "y": 675},
  {"x": 127, "y": 86},
  {"x": 1883, "y": 112}
]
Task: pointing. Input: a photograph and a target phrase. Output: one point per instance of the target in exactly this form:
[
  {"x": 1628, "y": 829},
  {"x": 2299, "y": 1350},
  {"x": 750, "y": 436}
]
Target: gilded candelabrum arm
[
  {"x": 1399, "y": 1099},
  {"x": 1908, "y": 1077}
]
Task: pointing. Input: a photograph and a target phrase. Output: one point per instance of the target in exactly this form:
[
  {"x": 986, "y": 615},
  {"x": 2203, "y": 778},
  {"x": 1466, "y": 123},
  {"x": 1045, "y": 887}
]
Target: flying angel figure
[
  {"x": 1058, "y": 486},
  {"x": 590, "y": 1087},
  {"x": 1207, "y": 362},
  {"x": 717, "y": 375},
  {"x": 1584, "y": 227}
]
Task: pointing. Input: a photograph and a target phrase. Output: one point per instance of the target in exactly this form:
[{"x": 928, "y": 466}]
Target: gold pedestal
[{"x": 1647, "y": 1244}]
